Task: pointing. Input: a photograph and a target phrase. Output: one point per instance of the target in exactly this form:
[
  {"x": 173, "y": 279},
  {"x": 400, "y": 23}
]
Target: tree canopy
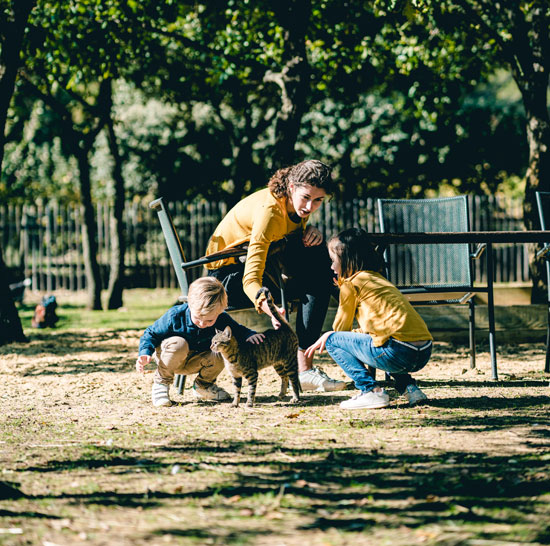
[
  {"x": 188, "y": 100},
  {"x": 400, "y": 98}
]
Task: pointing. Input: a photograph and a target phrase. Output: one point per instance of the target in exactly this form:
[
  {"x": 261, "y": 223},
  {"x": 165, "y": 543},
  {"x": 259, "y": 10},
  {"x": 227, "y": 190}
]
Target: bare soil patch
[{"x": 85, "y": 458}]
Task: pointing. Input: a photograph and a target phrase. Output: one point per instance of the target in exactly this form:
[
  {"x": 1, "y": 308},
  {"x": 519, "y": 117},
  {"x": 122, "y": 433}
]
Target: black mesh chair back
[
  {"x": 435, "y": 274},
  {"x": 543, "y": 205},
  {"x": 425, "y": 265}
]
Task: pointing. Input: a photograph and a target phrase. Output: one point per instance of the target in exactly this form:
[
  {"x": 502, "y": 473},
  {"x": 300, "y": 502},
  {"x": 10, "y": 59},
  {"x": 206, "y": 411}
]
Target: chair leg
[
  {"x": 472, "y": 332},
  {"x": 547, "y": 362},
  {"x": 179, "y": 383},
  {"x": 372, "y": 372},
  {"x": 491, "y": 309}
]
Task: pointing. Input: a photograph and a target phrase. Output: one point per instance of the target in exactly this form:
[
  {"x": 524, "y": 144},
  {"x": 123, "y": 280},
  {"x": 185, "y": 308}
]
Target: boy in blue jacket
[{"x": 179, "y": 341}]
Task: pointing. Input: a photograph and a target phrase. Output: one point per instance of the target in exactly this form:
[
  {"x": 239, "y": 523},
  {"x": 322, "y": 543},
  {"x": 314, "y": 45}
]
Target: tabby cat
[{"x": 279, "y": 349}]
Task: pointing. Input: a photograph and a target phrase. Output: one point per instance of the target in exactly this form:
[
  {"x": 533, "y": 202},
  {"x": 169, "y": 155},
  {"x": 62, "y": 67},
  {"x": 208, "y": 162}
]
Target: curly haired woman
[{"x": 275, "y": 218}]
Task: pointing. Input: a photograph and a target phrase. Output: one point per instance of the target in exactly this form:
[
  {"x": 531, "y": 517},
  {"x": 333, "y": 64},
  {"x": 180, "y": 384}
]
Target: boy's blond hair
[{"x": 206, "y": 295}]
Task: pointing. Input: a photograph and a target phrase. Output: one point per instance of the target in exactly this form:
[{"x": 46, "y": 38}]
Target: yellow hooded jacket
[
  {"x": 380, "y": 308},
  {"x": 259, "y": 219}
]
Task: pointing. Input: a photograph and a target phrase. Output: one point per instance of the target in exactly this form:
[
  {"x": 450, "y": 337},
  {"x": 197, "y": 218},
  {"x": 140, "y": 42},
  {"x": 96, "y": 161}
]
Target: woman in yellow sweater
[
  {"x": 391, "y": 336},
  {"x": 278, "y": 215}
]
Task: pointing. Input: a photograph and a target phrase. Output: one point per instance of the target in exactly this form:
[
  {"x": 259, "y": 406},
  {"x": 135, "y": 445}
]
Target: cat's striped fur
[{"x": 279, "y": 349}]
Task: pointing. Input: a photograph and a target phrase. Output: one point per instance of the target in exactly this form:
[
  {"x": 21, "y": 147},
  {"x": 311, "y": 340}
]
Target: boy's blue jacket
[{"x": 177, "y": 322}]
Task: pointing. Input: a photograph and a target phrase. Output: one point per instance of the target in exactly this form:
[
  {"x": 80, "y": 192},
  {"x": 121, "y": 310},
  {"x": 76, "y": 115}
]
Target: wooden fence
[{"x": 44, "y": 241}]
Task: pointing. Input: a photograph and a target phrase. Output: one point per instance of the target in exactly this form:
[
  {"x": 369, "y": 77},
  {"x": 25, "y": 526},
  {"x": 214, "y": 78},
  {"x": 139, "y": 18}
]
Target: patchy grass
[
  {"x": 141, "y": 308},
  {"x": 86, "y": 459}
]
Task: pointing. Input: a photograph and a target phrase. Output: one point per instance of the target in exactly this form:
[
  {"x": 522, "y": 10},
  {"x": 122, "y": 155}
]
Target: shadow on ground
[{"x": 345, "y": 489}]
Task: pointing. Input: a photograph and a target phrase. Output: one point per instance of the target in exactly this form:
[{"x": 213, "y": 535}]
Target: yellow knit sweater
[
  {"x": 261, "y": 219},
  {"x": 380, "y": 308}
]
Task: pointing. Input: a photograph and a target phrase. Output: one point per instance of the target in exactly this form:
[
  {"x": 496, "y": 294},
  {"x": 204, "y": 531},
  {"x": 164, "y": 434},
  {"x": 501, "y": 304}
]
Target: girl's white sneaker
[{"x": 367, "y": 400}]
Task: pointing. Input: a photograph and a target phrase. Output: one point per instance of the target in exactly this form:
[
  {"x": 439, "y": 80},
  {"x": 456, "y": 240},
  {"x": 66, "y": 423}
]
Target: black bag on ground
[{"x": 44, "y": 313}]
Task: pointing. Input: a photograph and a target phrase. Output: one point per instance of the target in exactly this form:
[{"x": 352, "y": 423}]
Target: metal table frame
[{"x": 487, "y": 237}]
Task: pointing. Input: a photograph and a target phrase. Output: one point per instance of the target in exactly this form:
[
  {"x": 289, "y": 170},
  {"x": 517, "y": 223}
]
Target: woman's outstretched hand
[
  {"x": 318, "y": 345},
  {"x": 274, "y": 321},
  {"x": 312, "y": 236}
]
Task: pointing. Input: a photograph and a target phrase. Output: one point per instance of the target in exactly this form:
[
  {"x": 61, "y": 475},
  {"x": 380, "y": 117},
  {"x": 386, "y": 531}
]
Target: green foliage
[
  {"x": 36, "y": 163},
  {"x": 401, "y": 97},
  {"x": 381, "y": 145}
]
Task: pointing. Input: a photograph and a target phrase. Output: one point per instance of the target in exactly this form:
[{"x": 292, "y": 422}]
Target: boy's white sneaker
[
  {"x": 160, "y": 396},
  {"x": 414, "y": 395},
  {"x": 212, "y": 392},
  {"x": 367, "y": 400},
  {"x": 317, "y": 380}
]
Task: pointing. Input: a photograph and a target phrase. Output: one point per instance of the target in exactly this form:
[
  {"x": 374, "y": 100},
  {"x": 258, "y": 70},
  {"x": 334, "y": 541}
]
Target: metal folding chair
[
  {"x": 181, "y": 266},
  {"x": 543, "y": 205},
  {"x": 437, "y": 274}
]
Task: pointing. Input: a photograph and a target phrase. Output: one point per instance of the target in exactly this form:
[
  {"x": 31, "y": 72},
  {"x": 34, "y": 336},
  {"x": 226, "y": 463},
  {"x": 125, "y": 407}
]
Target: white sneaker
[
  {"x": 317, "y": 380},
  {"x": 160, "y": 395},
  {"x": 366, "y": 400},
  {"x": 414, "y": 395},
  {"x": 212, "y": 392}
]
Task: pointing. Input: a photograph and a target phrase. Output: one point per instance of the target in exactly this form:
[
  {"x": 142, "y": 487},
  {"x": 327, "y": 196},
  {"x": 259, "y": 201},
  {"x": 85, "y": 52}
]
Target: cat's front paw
[{"x": 294, "y": 400}]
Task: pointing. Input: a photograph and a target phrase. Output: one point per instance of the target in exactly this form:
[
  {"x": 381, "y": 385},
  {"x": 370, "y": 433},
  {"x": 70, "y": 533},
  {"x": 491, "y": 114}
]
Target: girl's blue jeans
[{"x": 353, "y": 352}]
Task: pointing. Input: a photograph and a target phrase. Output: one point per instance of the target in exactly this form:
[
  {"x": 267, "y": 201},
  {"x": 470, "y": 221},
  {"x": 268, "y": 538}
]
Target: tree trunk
[
  {"x": 530, "y": 68},
  {"x": 10, "y": 61},
  {"x": 14, "y": 31},
  {"x": 294, "y": 16},
  {"x": 89, "y": 231},
  {"x": 118, "y": 243},
  {"x": 80, "y": 142},
  {"x": 537, "y": 177},
  {"x": 10, "y": 324}
]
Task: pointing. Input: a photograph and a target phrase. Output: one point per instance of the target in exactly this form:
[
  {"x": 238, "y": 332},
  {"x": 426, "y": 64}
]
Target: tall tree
[
  {"x": 514, "y": 34},
  {"x": 75, "y": 50},
  {"x": 79, "y": 137},
  {"x": 118, "y": 244},
  {"x": 14, "y": 16},
  {"x": 293, "y": 78}
]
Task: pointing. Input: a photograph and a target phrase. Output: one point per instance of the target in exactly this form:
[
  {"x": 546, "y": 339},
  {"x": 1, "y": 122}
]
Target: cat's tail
[{"x": 271, "y": 304}]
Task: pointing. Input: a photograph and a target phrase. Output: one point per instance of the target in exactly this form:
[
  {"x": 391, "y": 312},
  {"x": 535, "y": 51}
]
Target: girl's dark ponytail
[{"x": 356, "y": 252}]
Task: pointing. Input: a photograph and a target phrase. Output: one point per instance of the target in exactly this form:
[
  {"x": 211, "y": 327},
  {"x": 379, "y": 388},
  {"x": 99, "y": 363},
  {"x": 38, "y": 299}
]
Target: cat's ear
[
  {"x": 227, "y": 331},
  {"x": 218, "y": 331}
]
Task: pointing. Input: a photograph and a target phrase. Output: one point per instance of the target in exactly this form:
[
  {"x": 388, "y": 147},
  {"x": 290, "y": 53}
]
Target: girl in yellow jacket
[
  {"x": 278, "y": 216},
  {"x": 391, "y": 335}
]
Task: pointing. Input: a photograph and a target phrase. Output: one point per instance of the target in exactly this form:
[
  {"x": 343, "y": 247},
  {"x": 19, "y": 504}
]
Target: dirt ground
[{"x": 86, "y": 459}]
